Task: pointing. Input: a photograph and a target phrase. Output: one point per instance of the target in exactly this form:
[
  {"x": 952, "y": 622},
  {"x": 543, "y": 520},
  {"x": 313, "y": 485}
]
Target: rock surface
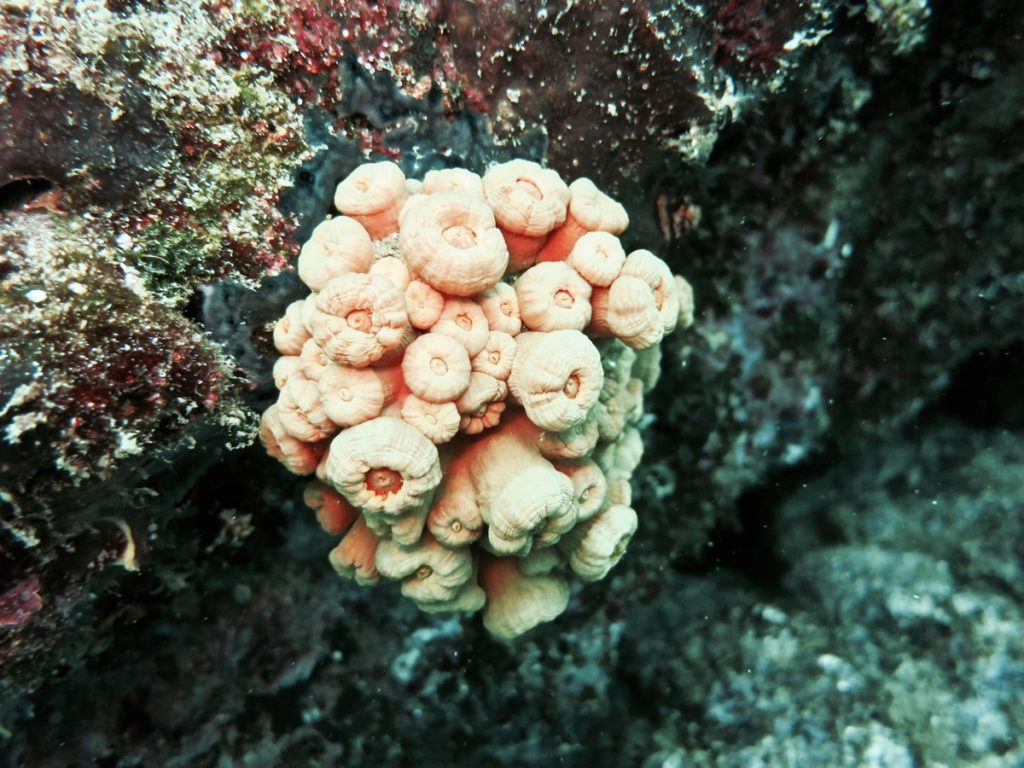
[{"x": 827, "y": 570}]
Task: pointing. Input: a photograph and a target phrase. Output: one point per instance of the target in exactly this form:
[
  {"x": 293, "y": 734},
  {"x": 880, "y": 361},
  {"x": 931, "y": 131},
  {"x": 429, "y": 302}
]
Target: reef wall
[{"x": 838, "y": 181}]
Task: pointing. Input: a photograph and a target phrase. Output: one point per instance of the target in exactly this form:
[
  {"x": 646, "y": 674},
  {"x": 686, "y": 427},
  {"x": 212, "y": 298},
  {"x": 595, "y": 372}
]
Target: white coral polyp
[{"x": 384, "y": 466}]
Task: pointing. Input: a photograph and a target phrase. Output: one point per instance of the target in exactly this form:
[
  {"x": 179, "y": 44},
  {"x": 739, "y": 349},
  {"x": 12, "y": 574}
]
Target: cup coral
[{"x": 465, "y": 381}]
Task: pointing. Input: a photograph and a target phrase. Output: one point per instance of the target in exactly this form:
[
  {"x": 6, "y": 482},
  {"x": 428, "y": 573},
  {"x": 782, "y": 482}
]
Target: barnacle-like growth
[
  {"x": 495, "y": 359},
  {"x": 436, "y": 367},
  {"x": 290, "y": 332},
  {"x": 423, "y": 304},
  {"x": 336, "y": 247},
  {"x": 453, "y": 180},
  {"x": 450, "y": 241},
  {"x": 373, "y": 195},
  {"x": 500, "y": 306},
  {"x": 589, "y": 484},
  {"x": 556, "y": 377},
  {"x": 590, "y": 210},
  {"x": 351, "y": 396},
  {"x": 384, "y": 465},
  {"x": 334, "y": 514},
  {"x": 359, "y": 319},
  {"x": 299, "y": 457},
  {"x": 429, "y": 572},
  {"x": 355, "y": 555},
  {"x": 628, "y": 311},
  {"x": 464, "y": 321},
  {"x": 598, "y": 257},
  {"x": 528, "y": 201},
  {"x": 439, "y": 422},
  {"x": 552, "y": 297},
  {"x": 472, "y": 429},
  {"x": 597, "y": 544},
  {"x": 517, "y": 602},
  {"x": 302, "y": 412}
]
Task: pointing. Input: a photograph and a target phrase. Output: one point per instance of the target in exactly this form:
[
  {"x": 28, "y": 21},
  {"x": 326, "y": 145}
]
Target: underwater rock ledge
[{"x": 837, "y": 180}]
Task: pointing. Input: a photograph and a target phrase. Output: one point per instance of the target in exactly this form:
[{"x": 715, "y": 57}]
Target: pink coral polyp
[
  {"x": 472, "y": 437},
  {"x": 360, "y": 318}
]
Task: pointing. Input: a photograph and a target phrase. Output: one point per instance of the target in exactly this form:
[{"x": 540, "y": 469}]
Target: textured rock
[{"x": 840, "y": 183}]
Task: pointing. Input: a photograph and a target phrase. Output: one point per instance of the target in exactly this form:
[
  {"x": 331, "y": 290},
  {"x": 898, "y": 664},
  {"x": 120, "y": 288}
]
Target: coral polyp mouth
[
  {"x": 530, "y": 188},
  {"x": 563, "y": 299},
  {"x": 359, "y": 320},
  {"x": 460, "y": 236},
  {"x": 383, "y": 481},
  {"x": 572, "y": 386}
]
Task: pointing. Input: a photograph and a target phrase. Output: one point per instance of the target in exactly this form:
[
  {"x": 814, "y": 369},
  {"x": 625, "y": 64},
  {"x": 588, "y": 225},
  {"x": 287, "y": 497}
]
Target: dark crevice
[
  {"x": 22, "y": 193},
  {"x": 748, "y": 546},
  {"x": 984, "y": 390}
]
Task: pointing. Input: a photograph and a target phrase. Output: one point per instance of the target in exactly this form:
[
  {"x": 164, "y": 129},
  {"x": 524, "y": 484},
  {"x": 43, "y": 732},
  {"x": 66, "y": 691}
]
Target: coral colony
[{"x": 465, "y": 380}]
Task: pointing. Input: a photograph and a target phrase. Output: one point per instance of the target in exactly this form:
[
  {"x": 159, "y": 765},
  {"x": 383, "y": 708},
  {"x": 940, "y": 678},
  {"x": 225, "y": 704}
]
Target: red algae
[{"x": 20, "y": 603}]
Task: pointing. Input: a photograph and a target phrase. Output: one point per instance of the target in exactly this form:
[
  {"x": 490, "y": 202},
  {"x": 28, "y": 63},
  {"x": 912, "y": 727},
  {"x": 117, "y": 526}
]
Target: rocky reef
[{"x": 828, "y": 566}]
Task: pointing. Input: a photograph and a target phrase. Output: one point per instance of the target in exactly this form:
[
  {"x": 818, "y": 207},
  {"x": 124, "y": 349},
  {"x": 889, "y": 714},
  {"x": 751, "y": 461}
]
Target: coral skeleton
[{"x": 465, "y": 380}]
